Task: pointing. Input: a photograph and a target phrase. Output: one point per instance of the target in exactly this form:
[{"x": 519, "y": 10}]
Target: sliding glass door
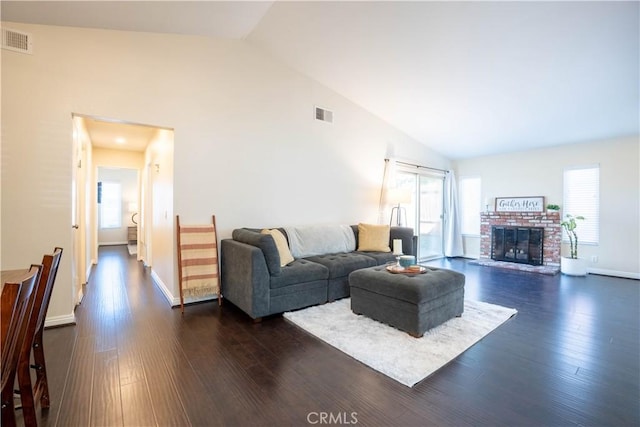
[
  {"x": 425, "y": 211},
  {"x": 431, "y": 216}
]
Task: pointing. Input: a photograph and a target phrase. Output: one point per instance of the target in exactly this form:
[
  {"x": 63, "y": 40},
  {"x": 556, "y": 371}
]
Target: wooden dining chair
[
  {"x": 9, "y": 298},
  {"x": 29, "y": 395},
  {"x": 14, "y": 337}
]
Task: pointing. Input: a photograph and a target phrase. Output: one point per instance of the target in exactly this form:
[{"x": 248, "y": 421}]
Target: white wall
[
  {"x": 247, "y": 148},
  {"x": 160, "y": 215},
  {"x": 540, "y": 173}
]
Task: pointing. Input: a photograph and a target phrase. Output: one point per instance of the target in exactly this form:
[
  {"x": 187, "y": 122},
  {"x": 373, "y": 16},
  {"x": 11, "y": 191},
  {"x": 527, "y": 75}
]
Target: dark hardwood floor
[{"x": 569, "y": 357}]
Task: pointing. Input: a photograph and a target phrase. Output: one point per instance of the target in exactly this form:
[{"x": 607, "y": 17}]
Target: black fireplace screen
[{"x": 517, "y": 244}]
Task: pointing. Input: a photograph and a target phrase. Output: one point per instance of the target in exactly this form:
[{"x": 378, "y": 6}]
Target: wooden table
[
  {"x": 12, "y": 275},
  {"x": 9, "y": 296}
]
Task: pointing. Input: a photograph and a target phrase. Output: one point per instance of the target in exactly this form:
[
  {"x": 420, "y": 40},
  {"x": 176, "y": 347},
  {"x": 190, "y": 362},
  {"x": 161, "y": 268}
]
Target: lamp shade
[{"x": 396, "y": 196}]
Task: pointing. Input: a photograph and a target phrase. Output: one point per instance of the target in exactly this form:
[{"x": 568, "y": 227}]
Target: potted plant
[
  {"x": 572, "y": 265},
  {"x": 553, "y": 208}
]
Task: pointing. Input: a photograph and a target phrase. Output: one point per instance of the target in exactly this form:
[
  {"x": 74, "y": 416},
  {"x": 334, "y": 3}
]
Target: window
[
  {"x": 111, "y": 205},
  {"x": 582, "y": 198},
  {"x": 470, "y": 207}
]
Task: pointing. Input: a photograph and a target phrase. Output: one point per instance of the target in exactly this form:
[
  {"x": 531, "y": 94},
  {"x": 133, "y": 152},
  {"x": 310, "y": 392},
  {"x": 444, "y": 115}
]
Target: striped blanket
[{"x": 199, "y": 260}]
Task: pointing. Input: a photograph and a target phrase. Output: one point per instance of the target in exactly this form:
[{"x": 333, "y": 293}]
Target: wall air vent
[
  {"x": 17, "y": 41},
  {"x": 324, "y": 115}
]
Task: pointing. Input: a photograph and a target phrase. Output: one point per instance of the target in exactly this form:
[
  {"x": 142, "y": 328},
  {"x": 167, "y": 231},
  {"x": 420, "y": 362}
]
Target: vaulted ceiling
[{"x": 465, "y": 78}]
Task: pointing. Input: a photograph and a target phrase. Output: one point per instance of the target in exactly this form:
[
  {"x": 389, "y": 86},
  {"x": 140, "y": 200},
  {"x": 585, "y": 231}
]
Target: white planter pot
[{"x": 573, "y": 266}]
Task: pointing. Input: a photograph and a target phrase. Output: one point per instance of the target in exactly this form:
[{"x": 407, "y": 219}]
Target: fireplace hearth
[{"x": 517, "y": 244}]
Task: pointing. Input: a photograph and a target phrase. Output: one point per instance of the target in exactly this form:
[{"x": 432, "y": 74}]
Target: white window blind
[
  {"x": 470, "y": 206},
  {"x": 582, "y": 198},
  {"x": 111, "y": 205}
]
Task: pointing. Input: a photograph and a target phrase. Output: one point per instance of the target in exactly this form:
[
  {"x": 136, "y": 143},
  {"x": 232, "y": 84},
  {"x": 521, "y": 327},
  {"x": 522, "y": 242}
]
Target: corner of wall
[
  {"x": 64, "y": 320},
  {"x": 172, "y": 300},
  {"x": 163, "y": 288}
]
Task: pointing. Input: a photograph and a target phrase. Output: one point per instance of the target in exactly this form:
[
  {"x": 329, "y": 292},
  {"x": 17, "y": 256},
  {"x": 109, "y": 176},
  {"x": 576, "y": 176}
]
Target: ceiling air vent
[
  {"x": 17, "y": 41},
  {"x": 324, "y": 115}
]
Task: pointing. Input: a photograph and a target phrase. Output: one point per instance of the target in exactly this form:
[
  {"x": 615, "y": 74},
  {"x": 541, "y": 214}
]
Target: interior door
[{"x": 78, "y": 226}]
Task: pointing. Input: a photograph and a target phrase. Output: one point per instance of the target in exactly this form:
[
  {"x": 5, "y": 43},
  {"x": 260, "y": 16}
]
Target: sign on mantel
[{"x": 520, "y": 204}]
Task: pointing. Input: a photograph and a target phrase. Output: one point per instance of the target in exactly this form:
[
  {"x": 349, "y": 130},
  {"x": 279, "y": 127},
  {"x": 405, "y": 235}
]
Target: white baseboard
[
  {"x": 80, "y": 296},
  {"x": 173, "y": 300},
  {"x": 112, "y": 243},
  {"x": 163, "y": 288},
  {"x": 68, "y": 319},
  {"x": 614, "y": 273}
]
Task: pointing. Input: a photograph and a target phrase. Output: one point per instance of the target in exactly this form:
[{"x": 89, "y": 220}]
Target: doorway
[
  {"x": 118, "y": 201},
  {"x": 109, "y": 148}
]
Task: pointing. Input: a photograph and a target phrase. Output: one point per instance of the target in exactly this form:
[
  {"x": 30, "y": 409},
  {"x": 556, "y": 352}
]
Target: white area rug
[{"x": 395, "y": 353}]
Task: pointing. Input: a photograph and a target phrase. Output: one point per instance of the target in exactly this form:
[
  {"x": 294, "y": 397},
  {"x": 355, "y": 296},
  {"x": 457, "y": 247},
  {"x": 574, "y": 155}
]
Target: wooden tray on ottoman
[{"x": 413, "y": 269}]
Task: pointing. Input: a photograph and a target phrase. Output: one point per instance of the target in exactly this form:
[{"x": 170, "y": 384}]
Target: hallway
[
  {"x": 570, "y": 356},
  {"x": 125, "y": 367}
]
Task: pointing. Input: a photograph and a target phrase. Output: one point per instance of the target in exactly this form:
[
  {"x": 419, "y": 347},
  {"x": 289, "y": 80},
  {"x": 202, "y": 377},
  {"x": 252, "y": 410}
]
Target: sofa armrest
[
  {"x": 409, "y": 241},
  {"x": 245, "y": 277},
  {"x": 264, "y": 242}
]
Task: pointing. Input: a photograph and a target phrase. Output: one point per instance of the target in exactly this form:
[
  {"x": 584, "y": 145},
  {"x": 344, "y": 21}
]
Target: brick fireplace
[{"x": 550, "y": 221}]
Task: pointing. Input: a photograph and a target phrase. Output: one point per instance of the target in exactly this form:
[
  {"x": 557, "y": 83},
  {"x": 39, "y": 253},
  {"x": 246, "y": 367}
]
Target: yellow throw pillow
[
  {"x": 281, "y": 245},
  {"x": 373, "y": 238}
]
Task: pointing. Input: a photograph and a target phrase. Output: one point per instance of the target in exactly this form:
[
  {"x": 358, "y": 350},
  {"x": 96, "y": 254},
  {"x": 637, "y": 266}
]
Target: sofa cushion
[
  {"x": 263, "y": 241},
  {"x": 373, "y": 237},
  {"x": 342, "y": 264},
  {"x": 281, "y": 245},
  {"x": 299, "y": 271},
  {"x": 381, "y": 257}
]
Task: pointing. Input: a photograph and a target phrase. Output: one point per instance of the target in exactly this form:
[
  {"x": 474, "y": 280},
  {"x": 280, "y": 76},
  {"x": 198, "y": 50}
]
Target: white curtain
[
  {"x": 452, "y": 228},
  {"x": 388, "y": 182}
]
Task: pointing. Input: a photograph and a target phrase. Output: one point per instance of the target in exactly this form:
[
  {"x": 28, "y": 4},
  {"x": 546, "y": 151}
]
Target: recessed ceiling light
[{"x": 120, "y": 140}]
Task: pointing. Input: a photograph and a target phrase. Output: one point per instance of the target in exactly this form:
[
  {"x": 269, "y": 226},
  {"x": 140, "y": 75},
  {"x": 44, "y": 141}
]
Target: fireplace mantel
[{"x": 550, "y": 221}]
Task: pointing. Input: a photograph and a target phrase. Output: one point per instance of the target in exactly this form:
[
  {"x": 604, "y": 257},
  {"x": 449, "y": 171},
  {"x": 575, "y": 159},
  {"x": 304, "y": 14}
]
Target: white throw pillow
[{"x": 320, "y": 240}]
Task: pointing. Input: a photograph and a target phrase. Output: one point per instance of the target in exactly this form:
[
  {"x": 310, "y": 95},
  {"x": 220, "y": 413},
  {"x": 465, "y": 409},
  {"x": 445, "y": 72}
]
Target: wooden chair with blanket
[{"x": 198, "y": 270}]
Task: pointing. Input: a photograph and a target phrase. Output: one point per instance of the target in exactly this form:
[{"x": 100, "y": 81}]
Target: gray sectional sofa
[{"x": 254, "y": 280}]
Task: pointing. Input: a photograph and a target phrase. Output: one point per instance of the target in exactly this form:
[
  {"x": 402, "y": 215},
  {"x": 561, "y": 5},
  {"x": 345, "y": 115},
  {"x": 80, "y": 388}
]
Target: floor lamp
[{"x": 398, "y": 196}]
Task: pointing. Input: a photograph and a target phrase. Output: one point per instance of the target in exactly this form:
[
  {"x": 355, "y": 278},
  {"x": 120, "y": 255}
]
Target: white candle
[{"x": 397, "y": 246}]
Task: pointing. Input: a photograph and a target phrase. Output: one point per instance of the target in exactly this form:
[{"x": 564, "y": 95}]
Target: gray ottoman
[{"x": 413, "y": 303}]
